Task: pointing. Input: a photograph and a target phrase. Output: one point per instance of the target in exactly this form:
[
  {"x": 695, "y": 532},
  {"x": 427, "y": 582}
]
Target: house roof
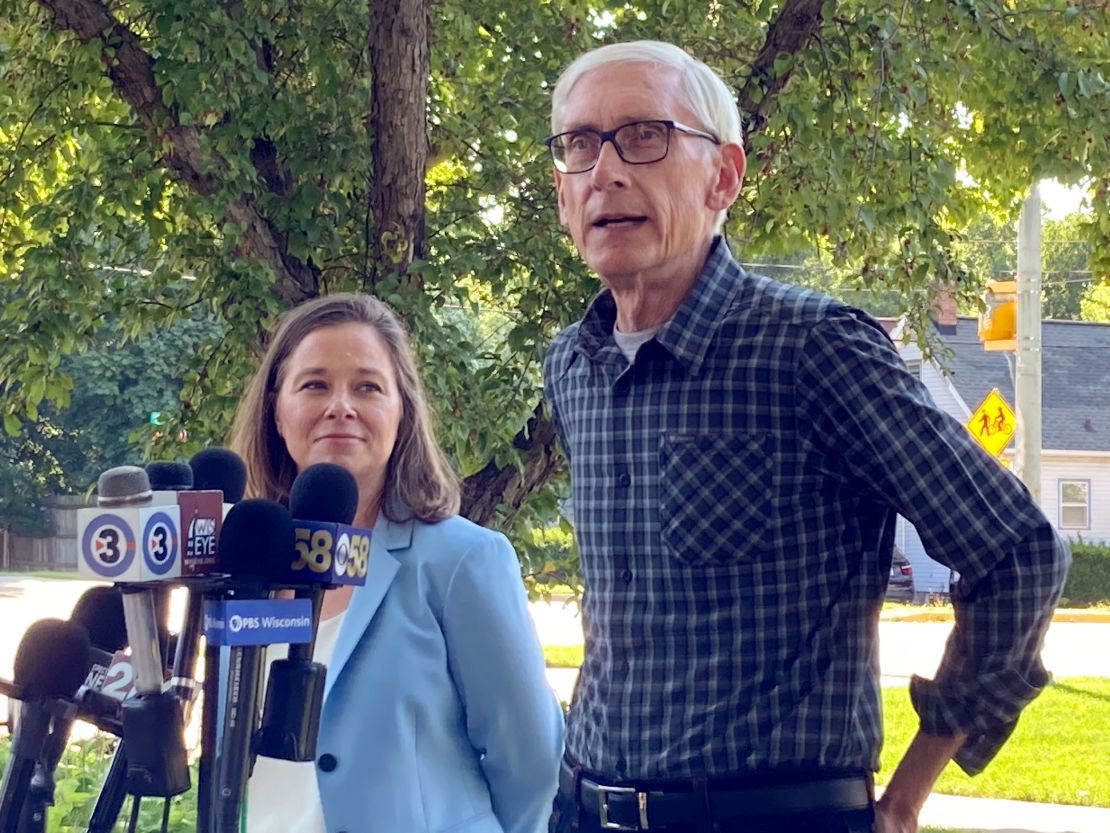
[{"x": 1075, "y": 379}]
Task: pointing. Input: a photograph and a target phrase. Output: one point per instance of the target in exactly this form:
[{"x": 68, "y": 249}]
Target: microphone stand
[
  {"x": 109, "y": 802},
  {"x": 40, "y": 795}
]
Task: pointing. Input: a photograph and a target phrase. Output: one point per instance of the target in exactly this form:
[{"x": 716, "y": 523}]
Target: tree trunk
[{"x": 399, "y": 66}]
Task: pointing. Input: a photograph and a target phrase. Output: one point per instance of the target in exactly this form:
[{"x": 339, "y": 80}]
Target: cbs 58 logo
[
  {"x": 315, "y": 547},
  {"x": 352, "y": 554}
]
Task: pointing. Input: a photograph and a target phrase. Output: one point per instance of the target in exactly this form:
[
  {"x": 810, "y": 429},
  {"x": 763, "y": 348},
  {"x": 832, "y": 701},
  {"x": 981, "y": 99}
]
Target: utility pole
[{"x": 1027, "y": 372}]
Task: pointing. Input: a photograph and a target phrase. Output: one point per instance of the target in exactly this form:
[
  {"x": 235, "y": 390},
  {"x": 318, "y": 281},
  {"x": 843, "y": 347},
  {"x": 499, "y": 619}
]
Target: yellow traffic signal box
[{"x": 998, "y": 322}]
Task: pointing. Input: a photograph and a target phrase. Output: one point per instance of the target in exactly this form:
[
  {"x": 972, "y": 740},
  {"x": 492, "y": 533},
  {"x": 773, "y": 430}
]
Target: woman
[{"x": 437, "y": 715}]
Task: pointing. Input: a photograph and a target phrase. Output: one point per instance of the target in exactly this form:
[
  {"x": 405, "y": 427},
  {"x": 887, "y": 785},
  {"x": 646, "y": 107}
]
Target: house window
[
  {"x": 914, "y": 367},
  {"x": 1075, "y": 504}
]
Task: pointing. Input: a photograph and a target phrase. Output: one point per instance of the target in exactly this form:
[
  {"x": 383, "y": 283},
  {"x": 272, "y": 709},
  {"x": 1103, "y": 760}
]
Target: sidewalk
[{"x": 1001, "y": 816}]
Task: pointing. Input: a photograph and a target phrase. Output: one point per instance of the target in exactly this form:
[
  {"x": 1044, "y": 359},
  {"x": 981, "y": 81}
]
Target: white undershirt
[
  {"x": 283, "y": 795},
  {"x": 629, "y": 343}
]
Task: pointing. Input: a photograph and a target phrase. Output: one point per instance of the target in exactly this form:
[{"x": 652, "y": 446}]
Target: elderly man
[{"x": 738, "y": 450}]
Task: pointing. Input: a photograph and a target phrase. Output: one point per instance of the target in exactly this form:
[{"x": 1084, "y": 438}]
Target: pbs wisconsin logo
[
  {"x": 160, "y": 545},
  {"x": 108, "y": 545}
]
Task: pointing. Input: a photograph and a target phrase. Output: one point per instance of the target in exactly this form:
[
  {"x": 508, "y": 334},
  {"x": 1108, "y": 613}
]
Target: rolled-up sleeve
[
  {"x": 512, "y": 716},
  {"x": 897, "y": 448}
]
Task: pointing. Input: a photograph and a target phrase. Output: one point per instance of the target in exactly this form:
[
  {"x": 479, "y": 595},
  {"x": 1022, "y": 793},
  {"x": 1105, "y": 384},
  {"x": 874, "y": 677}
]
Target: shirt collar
[{"x": 689, "y": 332}]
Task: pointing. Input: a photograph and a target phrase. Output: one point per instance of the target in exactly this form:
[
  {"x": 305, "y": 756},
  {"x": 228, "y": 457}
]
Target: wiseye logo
[{"x": 201, "y": 541}]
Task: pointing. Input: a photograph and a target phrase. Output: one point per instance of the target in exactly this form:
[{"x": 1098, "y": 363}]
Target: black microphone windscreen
[
  {"x": 221, "y": 469},
  {"x": 256, "y": 540},
  {"x": 169, "y": 476},
  {"x": 52, "y": 659},
  {"x": 324, "y": 492},
  {"x": 100, "y": 611}
]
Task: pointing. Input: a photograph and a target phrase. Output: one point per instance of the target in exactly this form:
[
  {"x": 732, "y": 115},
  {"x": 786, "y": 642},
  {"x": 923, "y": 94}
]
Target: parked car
[{"x": 900, "y": 586}]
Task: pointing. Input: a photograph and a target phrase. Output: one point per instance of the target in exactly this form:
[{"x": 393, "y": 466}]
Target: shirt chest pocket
[{"x": 715, "y": 497}]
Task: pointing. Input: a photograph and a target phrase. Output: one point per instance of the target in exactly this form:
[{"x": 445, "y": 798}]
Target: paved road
[{"x": 1071, "y": 648}]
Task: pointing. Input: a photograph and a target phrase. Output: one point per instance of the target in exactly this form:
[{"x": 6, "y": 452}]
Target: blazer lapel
[{"x": 386, "y": 539}]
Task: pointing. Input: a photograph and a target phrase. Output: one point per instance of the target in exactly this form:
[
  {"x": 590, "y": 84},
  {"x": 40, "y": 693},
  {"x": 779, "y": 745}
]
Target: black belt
[{"x": 633, "y": 808}]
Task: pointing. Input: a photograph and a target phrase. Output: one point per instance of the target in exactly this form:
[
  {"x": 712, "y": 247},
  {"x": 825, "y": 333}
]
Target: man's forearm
[{"x": 912, "y": 781}]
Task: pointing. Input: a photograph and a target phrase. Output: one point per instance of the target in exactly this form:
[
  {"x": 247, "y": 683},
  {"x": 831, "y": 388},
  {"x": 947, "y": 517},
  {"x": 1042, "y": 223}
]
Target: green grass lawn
[
  {"x": 563, "y": 656},
  {"x": 70, "y": 575},
  {"x": 1057, "y": 753}
]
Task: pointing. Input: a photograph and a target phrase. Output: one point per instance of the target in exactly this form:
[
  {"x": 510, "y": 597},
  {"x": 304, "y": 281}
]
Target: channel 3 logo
[
  {"x": 160, "y": 545},
  {"x": 129, "y": 543},
  {"x": 108, "y": 545}
]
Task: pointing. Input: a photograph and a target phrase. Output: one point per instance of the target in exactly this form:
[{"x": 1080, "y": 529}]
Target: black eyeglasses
[{"x": 637, "y": 143}]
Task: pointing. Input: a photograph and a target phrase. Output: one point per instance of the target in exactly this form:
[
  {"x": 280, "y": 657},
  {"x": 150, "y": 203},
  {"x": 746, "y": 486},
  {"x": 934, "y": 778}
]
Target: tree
[
  {"x": 115, "y": 410},
  {"x": 1095, "y": 304},
  {"x": 989, "y": 248},
  {"x": 243, "y": 155}
]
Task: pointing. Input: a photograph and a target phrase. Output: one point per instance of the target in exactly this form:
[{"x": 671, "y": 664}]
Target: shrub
[
  {"x": 1089, "y": 579},
  {"x": 78, "y": 779}
]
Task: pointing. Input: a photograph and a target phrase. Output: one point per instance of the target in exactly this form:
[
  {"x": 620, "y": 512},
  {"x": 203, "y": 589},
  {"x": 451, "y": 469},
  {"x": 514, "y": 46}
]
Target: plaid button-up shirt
[{"x": 734, "y": 494}]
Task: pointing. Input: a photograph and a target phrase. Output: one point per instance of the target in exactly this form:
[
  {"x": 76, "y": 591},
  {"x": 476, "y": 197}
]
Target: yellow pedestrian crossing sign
[{"x": 992, "y": 423}]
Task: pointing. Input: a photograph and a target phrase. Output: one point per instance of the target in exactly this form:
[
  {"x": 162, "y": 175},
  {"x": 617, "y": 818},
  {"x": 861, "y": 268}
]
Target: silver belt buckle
[{"x": 603, "y": 794}]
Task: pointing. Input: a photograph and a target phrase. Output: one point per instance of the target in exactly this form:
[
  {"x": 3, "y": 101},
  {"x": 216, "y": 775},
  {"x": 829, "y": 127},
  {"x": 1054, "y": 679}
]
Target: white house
[{"x": 1075, "y": 416}]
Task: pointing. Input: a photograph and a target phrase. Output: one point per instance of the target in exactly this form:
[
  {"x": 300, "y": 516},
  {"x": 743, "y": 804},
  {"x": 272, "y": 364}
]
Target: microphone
[
  {"x": 99, "y": 611},
  {"x": 167, "y": 479},
  {"x": 50, "y": 663},
  {"x": 219, "y": 477},
  {"x": 127, "y": 537},
  {"x": 214, "y": 469},
  {"x": 127, "y": 491},
  {"x": 323, "y": 495},
  {"x": 329, "y": 551},
  {"x": 255, "y": 543},
  {"x": 153, "y": 722},
  {"x": 221, "y": 469}
]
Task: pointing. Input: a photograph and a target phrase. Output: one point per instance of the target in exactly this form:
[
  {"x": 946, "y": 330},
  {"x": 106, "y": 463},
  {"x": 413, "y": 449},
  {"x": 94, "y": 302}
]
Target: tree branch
[
  {"x": 131, "y": 70},
  {"x": 509, "y": 485},
  {"x": 796, "y": 25}
]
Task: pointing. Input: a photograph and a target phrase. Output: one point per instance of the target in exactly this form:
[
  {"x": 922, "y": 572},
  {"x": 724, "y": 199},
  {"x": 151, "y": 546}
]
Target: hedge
[{"x": 1089, "y": 580}]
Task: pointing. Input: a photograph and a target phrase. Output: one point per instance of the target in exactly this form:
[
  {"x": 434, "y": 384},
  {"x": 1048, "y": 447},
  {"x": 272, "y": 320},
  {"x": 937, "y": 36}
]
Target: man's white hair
[{"x": 707, "y": 94}]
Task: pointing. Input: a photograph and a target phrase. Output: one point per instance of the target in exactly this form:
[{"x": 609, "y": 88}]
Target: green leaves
[{"x": 899, "y": 127}]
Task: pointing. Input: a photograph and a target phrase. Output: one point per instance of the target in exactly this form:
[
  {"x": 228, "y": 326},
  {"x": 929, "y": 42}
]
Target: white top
[
  {"x": 629, "y": 343},
  {"x": 283, "y": 795}
]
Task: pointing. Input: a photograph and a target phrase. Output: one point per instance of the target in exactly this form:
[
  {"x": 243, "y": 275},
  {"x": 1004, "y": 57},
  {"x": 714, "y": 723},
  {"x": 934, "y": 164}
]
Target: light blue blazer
[{"x": 437, "y": 712}]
